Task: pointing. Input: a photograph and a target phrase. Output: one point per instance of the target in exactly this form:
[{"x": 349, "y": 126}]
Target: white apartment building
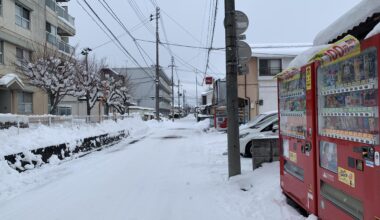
[
  {"x": 143, "y": 85},
  {"x": 25, "y": 27}
]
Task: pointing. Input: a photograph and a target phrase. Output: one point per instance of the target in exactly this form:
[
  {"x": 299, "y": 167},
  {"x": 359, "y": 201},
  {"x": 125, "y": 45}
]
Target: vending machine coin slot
[
  {"x": 351, "y": 162},
  {"x": 359, "y": 165}
]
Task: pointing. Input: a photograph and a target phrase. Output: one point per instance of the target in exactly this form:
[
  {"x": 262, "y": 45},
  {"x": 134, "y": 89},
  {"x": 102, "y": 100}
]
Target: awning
[{"x": 11, "y": 81}]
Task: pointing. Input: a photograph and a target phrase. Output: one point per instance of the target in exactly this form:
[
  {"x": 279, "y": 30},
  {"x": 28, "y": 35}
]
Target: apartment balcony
[
  {"x": 66, "y": 22},
  {"x": 60, "y": 44}
]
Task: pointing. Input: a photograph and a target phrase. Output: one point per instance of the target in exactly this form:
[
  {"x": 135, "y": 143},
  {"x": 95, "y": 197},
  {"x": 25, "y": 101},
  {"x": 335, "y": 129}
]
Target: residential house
[
  {"x": 144, "y": 87},
  {"x": 26, "y": 26},
  {"x": 258, "y": 87}
]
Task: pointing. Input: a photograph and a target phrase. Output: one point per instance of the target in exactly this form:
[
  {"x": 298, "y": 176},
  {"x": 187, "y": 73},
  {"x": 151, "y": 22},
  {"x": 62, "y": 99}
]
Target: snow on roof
[
  {"x": 279, "y": 49},
  {"x": 375, "y": 30},
  {"x": 352, "y": 18},
  {"x": 303, "y": 58},
  {"x": 8, "y": 79}
]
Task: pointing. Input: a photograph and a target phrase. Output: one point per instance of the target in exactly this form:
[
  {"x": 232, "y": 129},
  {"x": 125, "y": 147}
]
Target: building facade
[
  {"x": 259, "y": 87},
  {"x": 143, "y": 85},
  {"x": 26, "y": 27}
]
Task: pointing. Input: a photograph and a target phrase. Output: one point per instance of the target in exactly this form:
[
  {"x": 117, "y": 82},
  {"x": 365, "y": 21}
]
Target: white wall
[{"x": 268, "y": 89}]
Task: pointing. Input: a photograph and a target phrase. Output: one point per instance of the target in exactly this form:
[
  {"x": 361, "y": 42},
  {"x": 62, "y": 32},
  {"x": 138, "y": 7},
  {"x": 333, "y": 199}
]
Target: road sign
[
  {"x": 241, "y": 21},
  {"x": 243, "y": 69},
  {"x": 208, "y": 80},
  {"x": 244, "y": 52}
]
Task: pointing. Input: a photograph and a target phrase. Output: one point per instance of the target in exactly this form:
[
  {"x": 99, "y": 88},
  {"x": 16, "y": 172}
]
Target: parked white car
[
  {"x": 264, "y": 129},
  {"x": 260, "y": 117}
]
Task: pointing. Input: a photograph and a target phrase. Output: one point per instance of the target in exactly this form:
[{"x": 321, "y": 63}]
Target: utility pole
[
  {"x": 172, "y": 66},
  {"x": 196, "y": 95},
  {"x": 157, "y": 68},
  {"x": 85, "y": 52},
  {"x": 196, "y": 90},
  {"x": 234, "y": 167},
  {"x": 179, "y": 99},
  {"x": 183, "y": 100}
]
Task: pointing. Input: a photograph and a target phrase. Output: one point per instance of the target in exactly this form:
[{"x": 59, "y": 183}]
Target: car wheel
[{"x": 247, "y": 152}]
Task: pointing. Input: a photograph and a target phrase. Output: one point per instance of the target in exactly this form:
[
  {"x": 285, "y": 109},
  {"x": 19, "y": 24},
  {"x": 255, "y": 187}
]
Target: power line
[
  {"x": 92, "y": 18},
  {"x": 180, "y": 45},
  {"x": 212, "y": 37},
  {"x": 114, "y": 36},
  {"x": 134, "y": 28}
]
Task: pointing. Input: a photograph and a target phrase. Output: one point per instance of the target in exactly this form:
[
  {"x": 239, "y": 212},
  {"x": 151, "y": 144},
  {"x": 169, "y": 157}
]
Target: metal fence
[{"x": 33, "y": 121}]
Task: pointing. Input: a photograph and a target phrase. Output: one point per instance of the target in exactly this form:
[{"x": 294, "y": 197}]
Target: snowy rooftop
[
  {"x": 279, "y": 49},
  {"x": 354, "y": 17},
  {"x": 9, "y": 79},
  {"x": 303, "y": 58}
]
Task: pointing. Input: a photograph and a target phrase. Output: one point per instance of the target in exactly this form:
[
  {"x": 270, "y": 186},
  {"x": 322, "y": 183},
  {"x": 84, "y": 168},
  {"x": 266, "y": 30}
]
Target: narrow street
[{"x": 174, "y": 173}]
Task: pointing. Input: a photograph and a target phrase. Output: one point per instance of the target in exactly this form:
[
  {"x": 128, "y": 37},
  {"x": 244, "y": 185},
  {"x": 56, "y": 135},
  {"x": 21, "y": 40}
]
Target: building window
[
  {"x": 64, "y": 110},
  {"x": 269, "y": 67},
  {"x": 22, "y": 55},
  {"x": 25, "y": 103},
  {"x": 22, "y": 17},
  {"x": 51, "y": 34}
]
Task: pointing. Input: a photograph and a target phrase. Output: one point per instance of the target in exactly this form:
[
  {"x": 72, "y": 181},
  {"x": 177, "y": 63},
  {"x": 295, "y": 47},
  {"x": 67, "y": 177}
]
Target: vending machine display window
[
  {"x": 293, "y": 105},
  {"x": 328, "y": 156},
  {"x": 347, "y": 98}
]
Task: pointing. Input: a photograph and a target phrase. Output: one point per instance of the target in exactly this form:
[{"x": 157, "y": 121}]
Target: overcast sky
[{"x": 189, "y": 23}]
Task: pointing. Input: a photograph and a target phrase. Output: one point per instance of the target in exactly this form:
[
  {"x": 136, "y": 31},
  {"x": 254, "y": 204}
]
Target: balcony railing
[
  {"x": 61, "y": 12},
  {"x": 61, "y": 45}
]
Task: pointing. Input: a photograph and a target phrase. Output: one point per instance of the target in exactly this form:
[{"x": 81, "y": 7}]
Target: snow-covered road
[{"x": 175, "y": 172}]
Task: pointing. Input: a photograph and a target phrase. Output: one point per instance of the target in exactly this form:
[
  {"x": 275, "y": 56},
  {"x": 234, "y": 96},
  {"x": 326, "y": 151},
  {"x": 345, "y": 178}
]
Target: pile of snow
[
  {"x": 20, "y": 140},
  {"x": 352, "y": 18}
]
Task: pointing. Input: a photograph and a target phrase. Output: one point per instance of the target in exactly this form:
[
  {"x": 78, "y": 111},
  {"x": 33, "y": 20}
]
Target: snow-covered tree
[
  {"x": 116, "y": 92},
  {"x": 53, "y": 73},
  {"x": 87, "y": 81}
]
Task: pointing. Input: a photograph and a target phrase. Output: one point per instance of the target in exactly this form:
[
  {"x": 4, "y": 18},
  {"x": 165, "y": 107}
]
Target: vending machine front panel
[
  {"x": 348, "y": 135},
  {"x": 297, "y": 128}
]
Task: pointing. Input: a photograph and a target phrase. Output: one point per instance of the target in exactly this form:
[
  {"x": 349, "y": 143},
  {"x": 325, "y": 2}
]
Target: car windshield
[{"x": 258, "y": 125}]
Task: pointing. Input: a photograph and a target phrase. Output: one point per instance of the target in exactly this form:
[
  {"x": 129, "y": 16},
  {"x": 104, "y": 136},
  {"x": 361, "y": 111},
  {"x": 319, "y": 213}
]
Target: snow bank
[
  {"x": 303, "y": 58},
  {"x": 352, "y": 18},
  {"x": 20, "y": 140},
  {"x": 375, "y": 30}
]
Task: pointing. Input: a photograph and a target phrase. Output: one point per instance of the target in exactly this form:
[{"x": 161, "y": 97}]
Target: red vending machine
[
  {"x": 296, "y": 92},
  {"x": 348, "y": 164}
]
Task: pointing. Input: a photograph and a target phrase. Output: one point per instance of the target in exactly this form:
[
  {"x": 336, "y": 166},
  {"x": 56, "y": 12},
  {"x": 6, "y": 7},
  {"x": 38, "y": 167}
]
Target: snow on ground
[
  {"x": 175, "y": 171},
  {"x": 14, "y": 140}
]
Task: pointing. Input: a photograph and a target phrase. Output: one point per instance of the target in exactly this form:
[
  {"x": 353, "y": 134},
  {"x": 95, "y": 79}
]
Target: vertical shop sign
[{"x": 308, "y": 78}]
